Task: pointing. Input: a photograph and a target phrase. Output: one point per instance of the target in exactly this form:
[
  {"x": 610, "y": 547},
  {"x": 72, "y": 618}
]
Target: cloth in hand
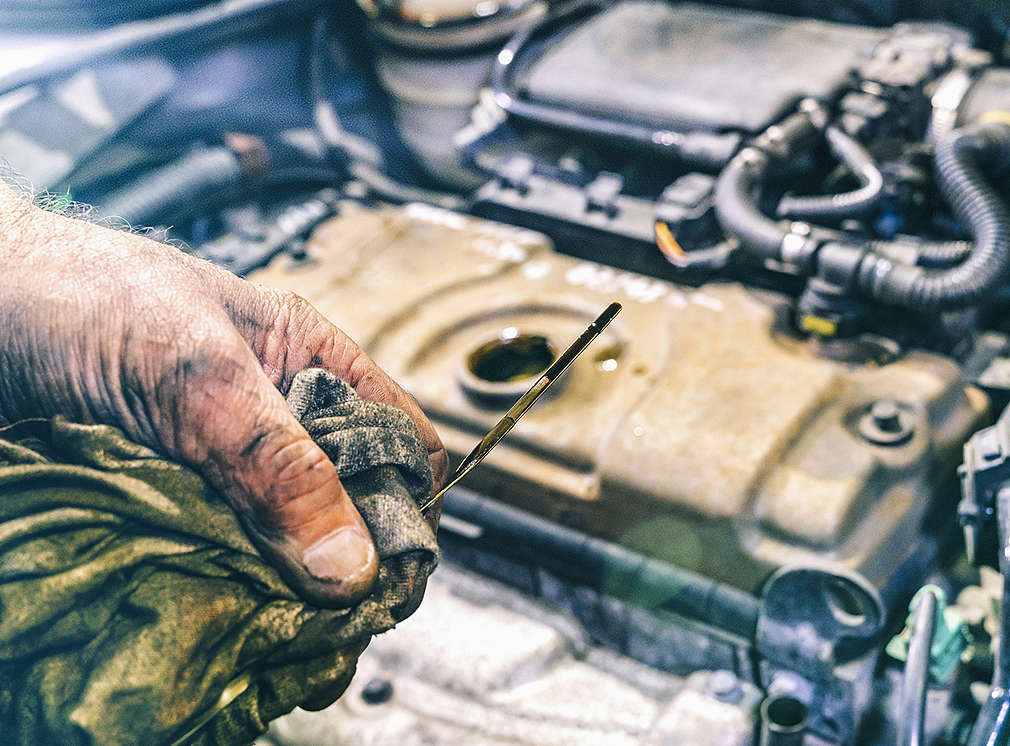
[{"x": 133, "y": 608}]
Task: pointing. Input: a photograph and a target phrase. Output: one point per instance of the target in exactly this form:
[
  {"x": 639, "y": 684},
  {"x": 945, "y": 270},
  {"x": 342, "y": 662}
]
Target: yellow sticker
[{"x": 817, "y": 325}]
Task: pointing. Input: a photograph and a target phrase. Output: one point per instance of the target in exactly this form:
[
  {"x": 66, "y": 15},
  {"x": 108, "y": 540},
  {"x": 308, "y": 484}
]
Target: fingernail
[{"x": 342, "y": 556}]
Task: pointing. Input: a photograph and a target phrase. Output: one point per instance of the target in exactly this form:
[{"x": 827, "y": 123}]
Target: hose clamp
[{"x": 797, "y": 246}]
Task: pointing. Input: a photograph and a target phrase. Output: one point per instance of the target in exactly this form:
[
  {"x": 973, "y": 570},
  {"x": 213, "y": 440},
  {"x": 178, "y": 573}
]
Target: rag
[{"x": 134, "y": 608}]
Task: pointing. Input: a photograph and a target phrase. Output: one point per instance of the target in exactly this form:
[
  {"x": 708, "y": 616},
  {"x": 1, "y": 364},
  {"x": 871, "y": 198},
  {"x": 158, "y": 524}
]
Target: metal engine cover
[{"x": 698, "y": 429}]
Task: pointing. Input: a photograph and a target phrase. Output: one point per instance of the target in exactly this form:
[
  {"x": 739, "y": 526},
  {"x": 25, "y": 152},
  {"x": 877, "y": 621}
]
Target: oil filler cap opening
[{"x": 497, "y": 372}]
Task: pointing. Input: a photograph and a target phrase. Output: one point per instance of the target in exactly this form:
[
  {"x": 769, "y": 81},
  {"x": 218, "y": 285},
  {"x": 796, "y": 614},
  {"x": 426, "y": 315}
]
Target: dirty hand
[{"x": 107, "y": 327}]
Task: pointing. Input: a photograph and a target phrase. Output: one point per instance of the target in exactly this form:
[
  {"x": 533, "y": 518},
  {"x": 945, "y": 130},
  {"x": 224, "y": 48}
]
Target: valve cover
[{"x": 698, "y": 429}]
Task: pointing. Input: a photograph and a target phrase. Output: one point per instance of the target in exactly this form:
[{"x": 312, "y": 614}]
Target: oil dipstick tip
[{"x": 606, "y": 317}]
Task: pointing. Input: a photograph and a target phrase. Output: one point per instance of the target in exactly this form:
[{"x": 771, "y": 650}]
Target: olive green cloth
[{"x": 130, "y": 598}]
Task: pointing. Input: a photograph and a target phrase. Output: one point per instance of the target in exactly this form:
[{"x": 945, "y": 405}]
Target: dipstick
[{"x": 527, "y": 400}]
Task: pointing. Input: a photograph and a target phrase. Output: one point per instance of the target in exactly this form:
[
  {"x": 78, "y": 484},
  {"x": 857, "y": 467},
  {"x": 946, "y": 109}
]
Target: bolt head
[
  {"x": 886, "y": 415},
  {"x": 725, "y": 686},
  {"x": 886, "y": 423}
]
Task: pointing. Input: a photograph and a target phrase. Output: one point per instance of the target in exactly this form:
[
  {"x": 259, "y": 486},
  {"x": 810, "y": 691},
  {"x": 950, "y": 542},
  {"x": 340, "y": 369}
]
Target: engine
[{"x": 769, "y": 505}]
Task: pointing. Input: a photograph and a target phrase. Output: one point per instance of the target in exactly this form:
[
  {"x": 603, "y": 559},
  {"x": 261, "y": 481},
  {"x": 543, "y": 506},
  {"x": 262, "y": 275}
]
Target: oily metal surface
[
  {"x": 695, "y": 430},
  {"x": 540, "y": 684}
]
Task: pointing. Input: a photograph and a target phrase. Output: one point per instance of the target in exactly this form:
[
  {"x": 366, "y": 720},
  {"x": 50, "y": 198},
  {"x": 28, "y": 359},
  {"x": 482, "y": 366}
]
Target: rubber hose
[
  {"x": 978, "y": 207},
  {"x": 943, "y": 253},
  {"x": 932, "y": 254},
  {"x": 737, "y": 209},
  {"x": 847, "y": 204},
  {"x": 590, "y": 561},
  {"x": 176, "y": 189}
]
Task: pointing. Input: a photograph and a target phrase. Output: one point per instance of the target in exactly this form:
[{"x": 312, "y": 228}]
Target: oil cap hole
[{"x": 511, "y": 358}]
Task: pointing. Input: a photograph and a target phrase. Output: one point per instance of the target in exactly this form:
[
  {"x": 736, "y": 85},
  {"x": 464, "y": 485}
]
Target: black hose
[
  {"x": 847, "y": 204},
  {"x": 911, "y": 726},
  {"x": 932, "y": 254},
  {"x": 738, "y": 193},
  {"x": 325, "y": 115},
  {"x": 959, "y": 160},
  {"x": 586, "y": 560},
  {"x": 177, "y": 189},
  {"x": 391, "y": 190},
  {"x": 736, "y": 204},
  {"x": 941, "y": 254}
]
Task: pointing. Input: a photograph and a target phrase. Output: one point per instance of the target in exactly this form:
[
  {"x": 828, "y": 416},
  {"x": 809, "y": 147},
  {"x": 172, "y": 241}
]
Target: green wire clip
[{"x": 950, "y": 639}]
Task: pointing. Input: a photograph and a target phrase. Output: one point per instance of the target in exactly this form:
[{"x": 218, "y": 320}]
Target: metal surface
[
  {"x": 886, "y": 424},
  {"x": 990, "y": 93},
  {"x": 783, "y": 721},
  {"x": 482, "y": 665},
  {"x": 700, "y": 432},
  {"x": 816, "y": 630},
  {"x": 554, "y": 371}
]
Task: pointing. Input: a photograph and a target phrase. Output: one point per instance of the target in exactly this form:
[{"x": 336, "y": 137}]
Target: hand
[{"x": 102, "y": 326}]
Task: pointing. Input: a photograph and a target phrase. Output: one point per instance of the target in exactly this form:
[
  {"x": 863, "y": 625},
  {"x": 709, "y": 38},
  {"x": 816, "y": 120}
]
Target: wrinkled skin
[{"x": 107, "y": 327}]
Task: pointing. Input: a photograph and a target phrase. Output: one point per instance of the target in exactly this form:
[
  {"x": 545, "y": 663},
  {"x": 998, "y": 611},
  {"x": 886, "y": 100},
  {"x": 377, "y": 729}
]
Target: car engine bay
[{"x": 771, "y": 503}]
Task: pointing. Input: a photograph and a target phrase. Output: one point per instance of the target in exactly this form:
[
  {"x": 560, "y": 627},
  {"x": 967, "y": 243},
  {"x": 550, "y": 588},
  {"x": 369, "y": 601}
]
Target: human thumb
[{"x": 235, "y": 427}]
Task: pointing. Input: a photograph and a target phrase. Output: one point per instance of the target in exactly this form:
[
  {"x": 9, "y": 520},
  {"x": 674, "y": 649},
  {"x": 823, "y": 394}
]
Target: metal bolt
[
  {"x": 725, "y": 686},
  {"x": 886, "y": 423},
  {"x": 886, "y": 415},
  {"x": 377, "y": 691}
]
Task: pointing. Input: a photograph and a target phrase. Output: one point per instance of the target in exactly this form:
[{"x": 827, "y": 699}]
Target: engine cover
[
  {"x": 695, "y": 66},
  {"x": 698, "y": 429}
]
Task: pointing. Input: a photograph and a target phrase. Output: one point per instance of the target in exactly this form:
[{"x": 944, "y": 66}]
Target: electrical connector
[{"x": 950, "y": 639}]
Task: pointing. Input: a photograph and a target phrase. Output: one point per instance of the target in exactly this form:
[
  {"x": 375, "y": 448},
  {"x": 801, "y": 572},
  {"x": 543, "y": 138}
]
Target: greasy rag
[{"x": 131, "y": 600}]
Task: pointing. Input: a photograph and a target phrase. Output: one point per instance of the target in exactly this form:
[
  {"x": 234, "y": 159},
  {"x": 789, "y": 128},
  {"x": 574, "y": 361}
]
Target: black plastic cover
[{"x": 687, "y": 66}]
